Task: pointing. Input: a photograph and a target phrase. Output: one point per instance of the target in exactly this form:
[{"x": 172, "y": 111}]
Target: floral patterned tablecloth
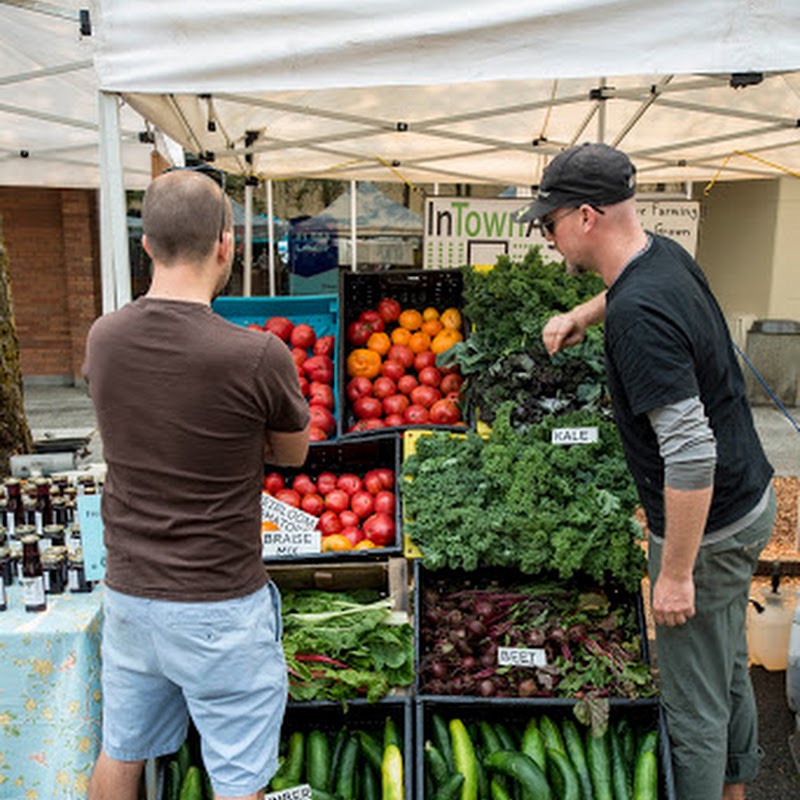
[{"x": 49, "y": 696}]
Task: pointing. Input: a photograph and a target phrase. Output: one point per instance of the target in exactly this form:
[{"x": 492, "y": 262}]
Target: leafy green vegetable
[
  {"x": 343, "y": 645},
  {"x": 517, "y": 500}
]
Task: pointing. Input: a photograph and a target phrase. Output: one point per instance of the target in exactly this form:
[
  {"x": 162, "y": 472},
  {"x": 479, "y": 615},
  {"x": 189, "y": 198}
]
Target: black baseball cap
[{"x": 596, "y": 174}]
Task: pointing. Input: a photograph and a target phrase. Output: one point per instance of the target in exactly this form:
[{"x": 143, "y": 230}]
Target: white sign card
[
  {"x": 302, "y": 792},
  {"x": 588, "y": 435},
  {"x": 521, "y": 657},
  {"x": 286, "y": 530},
  {"x": 94, "y": 551}
]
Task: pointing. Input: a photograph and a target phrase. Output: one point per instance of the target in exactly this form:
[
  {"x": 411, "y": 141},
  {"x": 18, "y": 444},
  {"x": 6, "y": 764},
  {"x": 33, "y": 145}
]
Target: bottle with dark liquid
[
  {"x": 15, "y": 509},
  {"x": 32, "y": 576},
  {"x": 42, "y": 510}
]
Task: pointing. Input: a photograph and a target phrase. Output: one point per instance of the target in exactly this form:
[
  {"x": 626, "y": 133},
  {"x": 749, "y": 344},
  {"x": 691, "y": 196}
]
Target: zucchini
[
  {"x": 346, "y": 774},
  {"x": 505, "y": 737},
  {"x": 371, "y": 749},
  {"x": 441, "y": 740},
  {"x": 336, "y": 756},
  {"x": 451, "y": 788},
  {"x": 627, "y": 742},
  {"x": 184, "y": 757},
  {"x": 464, "y": 760},
  {"x": 498, "y": 791},
  {"x": 172, "y": 780},
  {"x": 392, "y": 784},
  {"x": 564, "y": 776},
  {"x": 390, "y": 735},
  {"x": 577, "y": 756},
  {"x": 489, "y": 737},
  {"x": 597, "y": 758},
  {"x": 533, "y": 744},
  {"x": 523, "y": 769},
  {"x": 551, "y": 734},
  {"x": 645, "y": 779},
  {"x": 370, "y": 790},
  {"x": 292, "y": 768},
  {"x": 647, "y": 744},
  {"x": 483, "y": 780},
  {"x": 192, "y": 785},
  {"x": 620, "y": 776},
  {"x": 436, "y": 765},
  {"x": 318, "y": 760},
  {"x": 319, "y": 794}
]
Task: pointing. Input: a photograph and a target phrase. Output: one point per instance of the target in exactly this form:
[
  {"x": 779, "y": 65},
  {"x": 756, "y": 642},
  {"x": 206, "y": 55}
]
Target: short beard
[{"x": 574, "y": 270}]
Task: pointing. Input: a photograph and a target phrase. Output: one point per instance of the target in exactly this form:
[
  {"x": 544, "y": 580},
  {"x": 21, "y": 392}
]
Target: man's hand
[
  {"x": 673, "y": 600},
  {"x": 562, "y": 331}
]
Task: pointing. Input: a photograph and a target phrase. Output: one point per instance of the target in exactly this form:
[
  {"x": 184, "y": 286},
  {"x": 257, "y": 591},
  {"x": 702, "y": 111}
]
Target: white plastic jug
[
  {"x": 793, "y": 667},
  {"x": 769, "y": 624}
]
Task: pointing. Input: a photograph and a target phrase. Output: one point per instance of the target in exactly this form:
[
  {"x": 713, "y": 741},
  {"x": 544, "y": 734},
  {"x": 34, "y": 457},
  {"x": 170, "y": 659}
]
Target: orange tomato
[
  {"x": 445, "y": 339},
  {"x": 379, "y": 342},
  {"x": 335, "y": 542},
  {"x": 451, "y": 318},
  {"x": 363, "y": 362},
  {"x": 410, "y": 319},
  {"x": 365, "y": 544},
  {"x": 432, "y": 327},
  {"x": 419, "y": 341},
  {"x": 430, "y": 313},
  {"x": 401, "y": 336}
]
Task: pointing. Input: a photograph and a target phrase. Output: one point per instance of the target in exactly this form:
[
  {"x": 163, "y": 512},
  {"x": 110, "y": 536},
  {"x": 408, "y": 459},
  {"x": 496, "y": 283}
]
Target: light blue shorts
[{"x": 220, "y": 662}]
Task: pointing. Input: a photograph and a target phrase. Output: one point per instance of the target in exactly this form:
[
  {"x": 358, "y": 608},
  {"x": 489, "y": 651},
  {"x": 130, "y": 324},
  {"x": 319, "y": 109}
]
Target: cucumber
[
  {"x": 371, "y": 749},
  {"x": 192, "y": 785},
  {"x": 498, "y": 791},
  {"x": 464, "y": 760},
  {"x": 577, "y": 756},
  {"x": 627, "y": 742},
  {"x": 390, "y": 735},
  {"x": 172, "y": 780},
  {"x": 318, "y": 760},
  {"x": 451, "y": 788},
  {"x": 436, "y": 765},
  {"x": 346, "y": 774},
  {"x": 441, "y": 740},
  {"x": 292, "y": 768},
  {"x": 392, "y": 784},
  {"x": 564, "y": 776},
  {"x": 645, "y": 779},
  {"x": 370, "y": 789},
  {"x": 620, "y": 776},
  {"x": 184, "y": 757},
  {"x": 505, "y": 737},
  {"x": 523, "y": 769},
  {"x": 489, "y": 737},
  {"x": 551, "y": 734},
  {"x": 483, "y": 779},
  {"x": 319, "y": 794},
  {"x": 533, "y": 744},
  {"x": 648, "y": 743},
  {"x": 597, "y": 757},
  {"x": 336, "y": 754}
]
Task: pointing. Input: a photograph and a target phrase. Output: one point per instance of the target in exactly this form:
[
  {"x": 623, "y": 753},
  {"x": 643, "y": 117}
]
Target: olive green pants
[{"x": 705, "y": 681}]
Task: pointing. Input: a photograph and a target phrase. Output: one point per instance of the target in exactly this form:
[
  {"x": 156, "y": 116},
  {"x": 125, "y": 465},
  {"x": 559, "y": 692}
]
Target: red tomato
[
  {"x": 373, "y": 319},
  {"x": 316, "y": 434},
  {"x": 288, "y": 496},
  {"x": 385, "y": 502},
  {"x": 325, "y": 346},
  {"x": 416, "y": 414},
  {"x": 349, "y": 518},
  {"x": 273, "y": 482},
  {"x": 322, "y": 418},
  {"x": 373, "y": 423},
  {"x": 303, "y": 335},
  {"x": 368, "y": 408},
  {"x": 425, "y": 396},
  {"x": 254, "y": 326},
  {"x": 407, "y": 384},
  {"x": 352, "y": 533},
  {"x": 451, "y": 383},
  {"x": 303, "y": 384},
  {"x": 424, "y": 359},
  {"x": 379, "y": 529},
  {"x": 326, "y": 482},
  {"x": 358, "y": 387},
  {"x": 445, "y": 412},
  {"x": 358, "y": 332},
  {"x": 321, "y": 394},
  {"x": 299, "y": 356},
  {"x": 395, "y": 404},
  {"x": 303, "y": 484},
  {"x": 393, "y": 420},
  {"x": 362, "y": 503},
  {"x": 378, "y": 479},
  {"x": 337, "y": 500},
  {"x": 393, "y": 369},
  {"x": 349, "y": 482},
  {"x": 430, "y": 376},
  {"x": 384, "y": 387},
  {"x": 280, "y": 326},
  {"x": 312, "y": 504},
  {"x": 401, "y": 353},
  {"x": 319, "y": 368},
  {"x": 389, "y": 309},
  {"x": 329, "y": 523}
]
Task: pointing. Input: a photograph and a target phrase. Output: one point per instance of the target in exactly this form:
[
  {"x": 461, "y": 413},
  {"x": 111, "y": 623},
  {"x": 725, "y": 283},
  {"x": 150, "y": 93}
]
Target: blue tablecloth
[{"x": 49, "y": 696}]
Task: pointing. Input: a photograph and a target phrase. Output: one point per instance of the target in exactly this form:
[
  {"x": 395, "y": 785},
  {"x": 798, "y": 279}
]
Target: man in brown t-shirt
[{"x": 189, "y": 407}]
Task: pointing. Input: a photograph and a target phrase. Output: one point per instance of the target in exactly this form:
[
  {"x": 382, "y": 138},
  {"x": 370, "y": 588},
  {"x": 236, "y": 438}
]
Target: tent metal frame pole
[
  {"x": 114, "y": 257},
  {"x": 247, "y": 269},
  {"x": 270, "y": 236},
  {"x": 601, "y": 112},
  {"x": 353, "y": 225}
]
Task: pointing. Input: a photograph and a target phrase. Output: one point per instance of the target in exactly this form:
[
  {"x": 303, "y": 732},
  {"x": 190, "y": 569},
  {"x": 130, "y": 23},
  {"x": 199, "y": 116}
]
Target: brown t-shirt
[{"x": 183, "y": 399}]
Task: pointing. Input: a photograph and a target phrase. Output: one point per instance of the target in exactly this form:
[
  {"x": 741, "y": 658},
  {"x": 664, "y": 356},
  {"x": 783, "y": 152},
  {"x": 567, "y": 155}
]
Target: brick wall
[{"x": 52, "y": 241}]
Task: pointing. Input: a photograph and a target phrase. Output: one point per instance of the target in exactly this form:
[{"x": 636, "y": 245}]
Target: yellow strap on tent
[{"x": 744, "y": 153}]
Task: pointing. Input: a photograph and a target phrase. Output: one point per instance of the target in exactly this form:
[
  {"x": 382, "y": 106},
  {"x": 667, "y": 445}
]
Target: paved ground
[{"x": 66, "y": 412}]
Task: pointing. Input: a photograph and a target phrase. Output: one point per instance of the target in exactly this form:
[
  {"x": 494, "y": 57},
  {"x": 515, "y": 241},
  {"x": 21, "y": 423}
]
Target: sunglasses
[
  {"x": 548, "y": 226},
  {"x": 216, "y": 175}
]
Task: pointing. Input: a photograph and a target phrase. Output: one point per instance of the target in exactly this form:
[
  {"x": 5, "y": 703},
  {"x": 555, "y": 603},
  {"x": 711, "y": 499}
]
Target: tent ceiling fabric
[
  {"x": 459, "y": 90},
  {"x": 48, "y": 101}
]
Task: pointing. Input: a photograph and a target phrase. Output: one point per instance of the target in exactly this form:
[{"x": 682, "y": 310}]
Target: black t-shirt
[{"x": 667, "y": 340}]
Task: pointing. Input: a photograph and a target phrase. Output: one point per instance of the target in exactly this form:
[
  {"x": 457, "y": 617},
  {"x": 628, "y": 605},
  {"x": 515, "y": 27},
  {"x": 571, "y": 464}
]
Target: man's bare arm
[
  {"x": 286, "y": 449},
  {"x": 567, "y": 330}
]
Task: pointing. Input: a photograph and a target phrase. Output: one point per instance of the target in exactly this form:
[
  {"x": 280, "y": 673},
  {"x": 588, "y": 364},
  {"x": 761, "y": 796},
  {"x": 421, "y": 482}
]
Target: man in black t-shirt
[{"x": 702, "y": 476}]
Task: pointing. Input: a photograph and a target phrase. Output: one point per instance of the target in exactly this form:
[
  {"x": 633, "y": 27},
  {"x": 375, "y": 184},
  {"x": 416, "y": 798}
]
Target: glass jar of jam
[
  {"x": 54, "y": 568},
  {"x": 53, "y": 536},
  {"x": 76, "y": 573},
  {"x": 15, "y": 508},
  {"x": 6, "y": 571},
  {"x": 22, "y": 532},
  {"x": 32, "y": 580}
]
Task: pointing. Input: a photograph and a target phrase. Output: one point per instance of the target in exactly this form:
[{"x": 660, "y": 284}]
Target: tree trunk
[{"x": 15, "y": 435}]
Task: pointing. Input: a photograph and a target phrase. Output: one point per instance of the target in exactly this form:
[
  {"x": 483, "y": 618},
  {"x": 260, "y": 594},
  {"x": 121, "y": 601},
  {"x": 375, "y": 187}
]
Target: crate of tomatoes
[
  {"x": 309, "y": 326},
  {"x": 346, "y": 493},
  {"x": 394, "y": 328}
]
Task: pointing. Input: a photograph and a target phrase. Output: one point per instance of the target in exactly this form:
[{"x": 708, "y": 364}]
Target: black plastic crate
[
  {"x": 359, "y": 715},
  {"x": 514, "y": 714},
  {"x": 358, "y": 456},
  {"x": 505, "y": 577},
  {"x": 359, "y": 291}
]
